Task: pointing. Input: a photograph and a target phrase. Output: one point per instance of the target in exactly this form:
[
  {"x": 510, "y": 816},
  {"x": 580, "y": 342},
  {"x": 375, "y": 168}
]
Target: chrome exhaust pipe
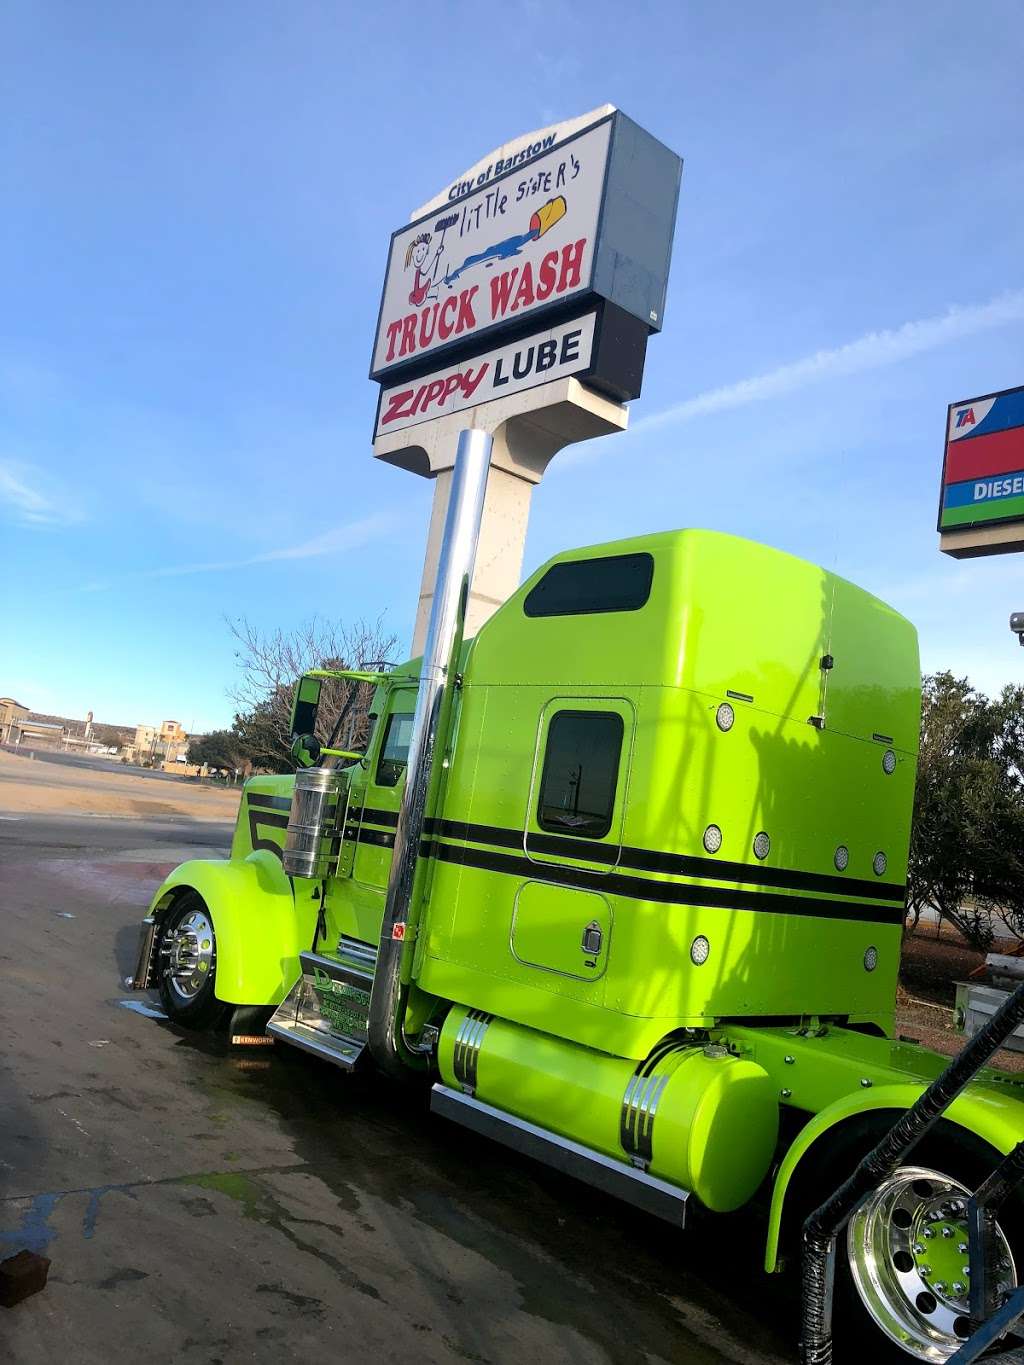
[{"x": 389, "y": 993}]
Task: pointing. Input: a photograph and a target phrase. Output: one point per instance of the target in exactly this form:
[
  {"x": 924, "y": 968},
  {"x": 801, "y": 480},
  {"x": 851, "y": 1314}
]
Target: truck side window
[
  {"x": 580, "y": 587},
  {"x": 394, "y": 751},
  {"x": 581, "y": 766}
]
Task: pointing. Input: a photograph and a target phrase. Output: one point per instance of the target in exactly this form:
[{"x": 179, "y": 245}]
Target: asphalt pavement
[{"x": 204, "y": 1206}]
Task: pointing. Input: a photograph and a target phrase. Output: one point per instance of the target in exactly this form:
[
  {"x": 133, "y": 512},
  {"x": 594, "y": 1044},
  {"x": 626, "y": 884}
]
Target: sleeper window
[
  {"x": 581, "y": 767},
  {"x": 581, "y": 587},
  {"x": 394, "y": 752}
]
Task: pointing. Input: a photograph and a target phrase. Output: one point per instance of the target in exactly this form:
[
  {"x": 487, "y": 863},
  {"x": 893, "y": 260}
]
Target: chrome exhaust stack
[{"x": 388, "y": 1045}]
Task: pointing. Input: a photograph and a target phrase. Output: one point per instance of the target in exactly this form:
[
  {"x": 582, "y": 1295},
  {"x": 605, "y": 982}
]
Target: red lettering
[
  {"x": 434, "y": 391},
  {"x": 572, "y": 265},
  {"x": 501, "y": 292},
  {"x": 393, "y": 330},
  {"x": 444, "y": 327},
  {"x": 427, "y": 333},
  {"x": 524, "y": 294},
  {"x": 408, "y": 334},
  {"x": 548, "y": 275},
  {"x": 467, "y": 318},
  {"x": 421, "y": 393},
  {"x": 397, "y": 406},
  {"x": 469, "y": 384}
]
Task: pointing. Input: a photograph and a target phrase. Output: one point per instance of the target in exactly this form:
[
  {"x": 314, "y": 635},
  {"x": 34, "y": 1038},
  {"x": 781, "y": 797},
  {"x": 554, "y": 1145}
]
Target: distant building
[
  {"x": 159, "y": 743},
  {"x": 38, "y": 733},
  {"x": 12, "y": 713},
  {"x": 145, "y": 739}
]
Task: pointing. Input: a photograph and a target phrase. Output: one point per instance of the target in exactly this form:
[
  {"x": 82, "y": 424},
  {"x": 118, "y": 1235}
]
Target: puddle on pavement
[
  {"x": 668, "y": 1294},
  {"x": 34, "y": 1230},
  {"x": 140, "y": 1007}
]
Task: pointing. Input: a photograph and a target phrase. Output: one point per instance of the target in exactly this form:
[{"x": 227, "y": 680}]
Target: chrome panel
[
  {"x": 643, "y": 1095},
  {"x": 142, "y": 978},
  {"x": 340, "y": 1052},
  {"x": 350, "y": 974},
  {"x": 602, "y": 1172},
  {"x": 356, "y": 951},
  {"x": 468, "y": 1041},
  {"x": 310, "y": 849},
  {"x": 391, "y": 1049}
]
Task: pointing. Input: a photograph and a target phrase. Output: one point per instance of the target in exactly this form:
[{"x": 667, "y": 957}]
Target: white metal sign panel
[
  {"x": 511, "y": 156},
  {"x": 560, "y": 351},
  {"x": 520, "y": 243}
]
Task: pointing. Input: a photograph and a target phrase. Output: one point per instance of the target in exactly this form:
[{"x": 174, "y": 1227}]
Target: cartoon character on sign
[
  {"x": 424, "y": 284},
  {"x": 541, "y": 220}
]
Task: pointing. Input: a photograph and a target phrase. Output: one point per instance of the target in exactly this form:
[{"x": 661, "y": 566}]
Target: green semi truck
[{"x": 622, "y": 878}]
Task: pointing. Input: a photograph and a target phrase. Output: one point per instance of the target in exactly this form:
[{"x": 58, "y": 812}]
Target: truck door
[
  {"x": 382, "y": 795},
  {"x": 562, "y": 919}
]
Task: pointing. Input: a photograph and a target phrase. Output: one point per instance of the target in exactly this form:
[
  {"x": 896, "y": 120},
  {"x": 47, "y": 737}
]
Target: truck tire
[
  {"x": 902, "y": 1285},
  {"x": 186, "y": 964}
]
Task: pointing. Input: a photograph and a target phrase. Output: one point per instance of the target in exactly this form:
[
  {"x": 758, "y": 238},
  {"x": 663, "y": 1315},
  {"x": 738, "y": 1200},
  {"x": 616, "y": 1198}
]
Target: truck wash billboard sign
[
  {"x": 564, "y": 349},
  {"x": 983, "y": 470},
  {"x": 539, "y": 230}
]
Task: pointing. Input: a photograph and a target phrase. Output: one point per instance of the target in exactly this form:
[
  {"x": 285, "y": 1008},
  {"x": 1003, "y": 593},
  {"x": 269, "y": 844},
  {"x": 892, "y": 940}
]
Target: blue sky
[{"x": 194, "y": 216}]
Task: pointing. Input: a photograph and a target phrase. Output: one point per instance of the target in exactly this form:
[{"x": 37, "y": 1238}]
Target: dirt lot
[
  {"x": 924, "y": 1009},
  {"x": 34, "y": 787}
]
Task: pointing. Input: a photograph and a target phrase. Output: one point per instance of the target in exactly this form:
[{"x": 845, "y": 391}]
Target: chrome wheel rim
[
  {"x": 188, "y": 954},
  {"x": 907, "y": 1248}
]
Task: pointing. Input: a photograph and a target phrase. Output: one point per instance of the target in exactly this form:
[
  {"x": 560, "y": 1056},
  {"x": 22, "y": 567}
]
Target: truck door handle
[{"x": 592, "y": 939}]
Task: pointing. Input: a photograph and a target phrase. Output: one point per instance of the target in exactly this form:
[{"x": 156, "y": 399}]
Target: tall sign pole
[{"x": 519, "y": 302}]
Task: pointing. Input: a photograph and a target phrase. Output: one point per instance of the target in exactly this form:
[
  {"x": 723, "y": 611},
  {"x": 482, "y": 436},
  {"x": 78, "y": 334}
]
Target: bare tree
[{"x": 271, "y": 663}]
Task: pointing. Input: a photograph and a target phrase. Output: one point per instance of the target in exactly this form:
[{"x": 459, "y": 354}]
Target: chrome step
[
  {"x": 324, "y": 1043},
  {"x": 325, "y": 1012},
  {"x": 625, "y": 1182}
]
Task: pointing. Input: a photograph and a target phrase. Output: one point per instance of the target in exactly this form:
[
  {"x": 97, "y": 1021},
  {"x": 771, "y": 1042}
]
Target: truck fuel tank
[{"x": 692, "y": 1114}]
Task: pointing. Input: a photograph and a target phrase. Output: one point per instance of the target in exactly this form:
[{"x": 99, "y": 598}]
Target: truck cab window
[
  {"x": 581, "y": 587},
  {"x": 581, "y": 767},
  {"x": 394, "y": 751}
]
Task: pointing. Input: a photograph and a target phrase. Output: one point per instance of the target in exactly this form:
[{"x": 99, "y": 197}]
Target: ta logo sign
[{"x": 965, "y": 417}]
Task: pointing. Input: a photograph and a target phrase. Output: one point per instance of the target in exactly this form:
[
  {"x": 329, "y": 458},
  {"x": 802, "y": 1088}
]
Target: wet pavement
[{"x": 202, "y": 1204}]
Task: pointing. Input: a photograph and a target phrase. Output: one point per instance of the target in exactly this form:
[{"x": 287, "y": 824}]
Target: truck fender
[
  {"x": 260, "y": 928},
  {"x": 994, "y": 1115}
]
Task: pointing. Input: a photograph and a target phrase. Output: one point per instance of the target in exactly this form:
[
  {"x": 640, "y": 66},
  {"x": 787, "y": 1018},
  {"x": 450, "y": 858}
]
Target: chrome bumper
[{"x": 142, "y": 978}]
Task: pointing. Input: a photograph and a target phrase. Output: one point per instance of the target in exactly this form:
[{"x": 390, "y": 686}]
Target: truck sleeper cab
[{"x": 660, "y": 899}]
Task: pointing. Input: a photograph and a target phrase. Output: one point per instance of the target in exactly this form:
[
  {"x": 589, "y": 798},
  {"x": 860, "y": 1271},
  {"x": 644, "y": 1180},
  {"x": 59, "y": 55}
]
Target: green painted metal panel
[
  {"x": 553, "y": 926},
  {"x": 708, "y": 1123},
  {"x": 261, "y": 926},
  {"x": 996, "y": 510}
]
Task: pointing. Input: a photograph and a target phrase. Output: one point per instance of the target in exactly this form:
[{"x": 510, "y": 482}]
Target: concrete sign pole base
[{"x": 529, "y": 429}]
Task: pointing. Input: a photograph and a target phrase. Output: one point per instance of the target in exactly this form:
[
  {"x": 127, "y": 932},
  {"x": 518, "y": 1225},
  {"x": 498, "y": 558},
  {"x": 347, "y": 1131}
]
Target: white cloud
[
  {"x": 33, "y": 498},
  {"x": 339, "y": 538},
  {"x": 869, "y": 352}
]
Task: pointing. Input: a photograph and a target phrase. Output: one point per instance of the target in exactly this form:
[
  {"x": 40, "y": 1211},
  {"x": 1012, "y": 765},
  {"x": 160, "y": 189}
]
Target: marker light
[
  {"x": 762, "y": 845},
  {"x": 888, "y": 763},
  {"x": 699, "y": 950},
  {"x": 880, "y": 863},
  {"x": 712, "y": 838},
  {"x": 842, "y": 858},
  {"x": 870, "y": 959},
  {"x": 725, "y": 716}
]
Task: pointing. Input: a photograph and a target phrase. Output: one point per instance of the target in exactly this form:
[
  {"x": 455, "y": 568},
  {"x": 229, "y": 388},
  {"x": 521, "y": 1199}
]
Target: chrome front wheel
[
  {"x": 907, "y": 1252},
  {"x": 186, "y": 963}
]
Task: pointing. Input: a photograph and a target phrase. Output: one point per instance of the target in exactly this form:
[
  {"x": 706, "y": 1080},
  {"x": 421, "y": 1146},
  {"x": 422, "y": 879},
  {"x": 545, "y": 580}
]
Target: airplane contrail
[{"x": 869, "y": 352}]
